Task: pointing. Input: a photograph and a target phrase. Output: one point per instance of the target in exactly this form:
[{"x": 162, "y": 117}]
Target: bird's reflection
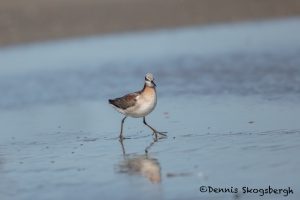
[{"x": 143, "y": 165}]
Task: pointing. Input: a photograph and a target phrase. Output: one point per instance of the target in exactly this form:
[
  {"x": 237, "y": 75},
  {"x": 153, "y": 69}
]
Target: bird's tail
[{"x": 111, "y": 101}]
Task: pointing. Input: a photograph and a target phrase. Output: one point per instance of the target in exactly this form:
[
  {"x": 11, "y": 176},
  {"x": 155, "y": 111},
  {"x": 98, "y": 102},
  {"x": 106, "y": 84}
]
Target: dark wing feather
[{"x": 125, "y": 101}]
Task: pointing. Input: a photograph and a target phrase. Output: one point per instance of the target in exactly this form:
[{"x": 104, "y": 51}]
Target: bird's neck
[{"x": 147, "y": 88}]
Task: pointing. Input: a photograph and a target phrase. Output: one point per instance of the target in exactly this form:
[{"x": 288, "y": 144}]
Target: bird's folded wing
[{"x": 125, "y": 101}]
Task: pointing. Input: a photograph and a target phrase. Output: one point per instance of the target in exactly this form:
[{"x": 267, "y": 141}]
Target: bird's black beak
[{"x": 153, "y": 83}]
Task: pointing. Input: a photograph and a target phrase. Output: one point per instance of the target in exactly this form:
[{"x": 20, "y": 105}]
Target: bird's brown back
[{"x": 125, "y": 101}]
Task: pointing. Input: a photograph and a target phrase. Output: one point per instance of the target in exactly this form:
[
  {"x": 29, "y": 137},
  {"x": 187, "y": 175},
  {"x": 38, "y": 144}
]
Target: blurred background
[
  {"x": 39, "y": 20},
  {"x": 228, "y": 81}
]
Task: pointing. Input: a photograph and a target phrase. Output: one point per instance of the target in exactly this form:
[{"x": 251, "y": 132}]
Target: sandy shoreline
[{"x": 36, "y": 20}]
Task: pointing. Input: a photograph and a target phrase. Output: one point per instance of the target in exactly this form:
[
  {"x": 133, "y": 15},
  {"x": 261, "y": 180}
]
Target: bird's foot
[
  {"x": 159, "y": 135},
  {"x": 121, "y": 138}
]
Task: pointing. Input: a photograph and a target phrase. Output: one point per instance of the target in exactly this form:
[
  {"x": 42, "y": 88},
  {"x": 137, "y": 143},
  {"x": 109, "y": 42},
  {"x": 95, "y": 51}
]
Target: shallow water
[{"x": 228, "y": 97}]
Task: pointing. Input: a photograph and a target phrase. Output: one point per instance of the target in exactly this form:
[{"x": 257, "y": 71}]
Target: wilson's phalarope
[{"x": 138, "y": 104}]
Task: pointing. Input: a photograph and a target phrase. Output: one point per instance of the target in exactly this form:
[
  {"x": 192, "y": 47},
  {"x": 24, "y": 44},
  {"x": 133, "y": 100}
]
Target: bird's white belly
[{"x": 142, "y": 108}]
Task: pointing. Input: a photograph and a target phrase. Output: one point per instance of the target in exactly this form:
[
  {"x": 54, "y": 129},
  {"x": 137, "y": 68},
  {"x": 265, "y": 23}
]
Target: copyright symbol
[{"x": 203, "y": 188}]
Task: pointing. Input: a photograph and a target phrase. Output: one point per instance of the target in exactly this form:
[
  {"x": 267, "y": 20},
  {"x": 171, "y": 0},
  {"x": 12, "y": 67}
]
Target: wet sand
[
  {"x": 228, "y": 98},
  {"x": 62, "y": 150},
  {"x": 35, "y": 20}
]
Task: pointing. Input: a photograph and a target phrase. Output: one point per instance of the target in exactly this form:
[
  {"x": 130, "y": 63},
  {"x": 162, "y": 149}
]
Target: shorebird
[{"x": 138, "y": 104}]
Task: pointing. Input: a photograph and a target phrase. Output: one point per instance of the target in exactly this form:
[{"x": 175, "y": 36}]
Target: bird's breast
[
  {"x": 145, "y": 104},
  {"x": 148, "y": 97}
]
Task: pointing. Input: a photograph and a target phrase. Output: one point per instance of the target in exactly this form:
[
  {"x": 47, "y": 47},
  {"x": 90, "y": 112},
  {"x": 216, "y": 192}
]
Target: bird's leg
[
  {"x": 121, "y": 133},
  {"x": 154, "y": 131}
]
